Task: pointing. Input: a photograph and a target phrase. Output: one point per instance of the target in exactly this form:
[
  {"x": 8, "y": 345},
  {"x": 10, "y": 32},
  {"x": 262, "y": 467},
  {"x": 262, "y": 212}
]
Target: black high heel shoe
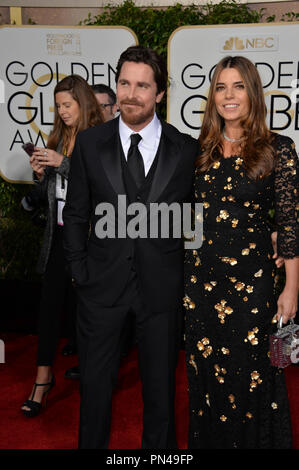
[{"x": 34, "y": 406}]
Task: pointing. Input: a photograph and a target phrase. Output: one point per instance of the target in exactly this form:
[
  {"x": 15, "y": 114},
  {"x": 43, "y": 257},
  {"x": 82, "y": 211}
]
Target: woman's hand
[
  {"x": 279, "y": 261},
  {"x": 287, "y": 303},
  {"x": 47, "y": 157},
  {"x": 36, "y": 167}
]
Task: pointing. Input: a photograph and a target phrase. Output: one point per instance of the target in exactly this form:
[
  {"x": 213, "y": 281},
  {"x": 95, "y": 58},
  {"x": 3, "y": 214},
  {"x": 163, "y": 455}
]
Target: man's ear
[{"x": 159, "y": 96}]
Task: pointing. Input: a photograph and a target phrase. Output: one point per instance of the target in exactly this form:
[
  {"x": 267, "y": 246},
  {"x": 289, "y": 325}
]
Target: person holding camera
[{"x": 76, "y": 109}]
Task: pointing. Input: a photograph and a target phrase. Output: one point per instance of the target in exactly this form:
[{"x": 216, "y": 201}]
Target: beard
[{"x": 136, "y": 116}]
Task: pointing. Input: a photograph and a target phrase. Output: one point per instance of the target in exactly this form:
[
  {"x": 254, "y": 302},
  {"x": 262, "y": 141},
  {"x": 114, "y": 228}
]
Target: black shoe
[
  {"x": 69, "y": 349},
  {"x": 34, "y": 406},
  {"x": 72, "y": 373}
]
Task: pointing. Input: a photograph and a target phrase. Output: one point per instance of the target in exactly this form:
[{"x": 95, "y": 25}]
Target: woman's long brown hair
[
  {"x": 90, "y": 113},
  {"x": 256, "y": 147}
]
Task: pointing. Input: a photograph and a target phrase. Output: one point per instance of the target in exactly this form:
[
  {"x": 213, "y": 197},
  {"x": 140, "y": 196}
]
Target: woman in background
[
  {"x": 237, "y": 399},
  {"x": 76, "y": 109}
]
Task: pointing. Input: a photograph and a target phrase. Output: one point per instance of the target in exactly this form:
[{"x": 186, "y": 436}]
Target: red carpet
[{"x": 57, "y": 426}]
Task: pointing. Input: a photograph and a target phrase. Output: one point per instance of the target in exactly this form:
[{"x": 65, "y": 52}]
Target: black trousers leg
[
  {"x": 99, "y": 341},
  {"x": 55, "y": 284},
  {"x": 99, "y": 348},
  {"x": 158, "y": 337}
]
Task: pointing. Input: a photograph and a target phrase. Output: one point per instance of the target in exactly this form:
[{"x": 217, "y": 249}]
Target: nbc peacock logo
[
  {"x": 249, "y": 43},
  {"x": 233, "y": 43}
]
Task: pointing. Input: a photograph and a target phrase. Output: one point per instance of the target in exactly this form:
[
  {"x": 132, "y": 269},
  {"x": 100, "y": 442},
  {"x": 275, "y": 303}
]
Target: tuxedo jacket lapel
[
  {"x": 110, "y": 151},
  {"x": 168, "y": 160}
]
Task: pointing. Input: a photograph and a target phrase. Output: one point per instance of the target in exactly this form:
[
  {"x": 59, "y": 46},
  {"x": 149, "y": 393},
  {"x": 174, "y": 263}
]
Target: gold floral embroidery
[
  {"x": 209, "y": 285},
  {"x": 204, "y": 347},
  {"x": 239, "y": 286},
  {"x": 223, "y": 310},
  {"x": 225, "y": 351},
  {"x": 188, "y": 303},
  {"x": 258, "y": 273},
  {"x": 231, "y": 261},
  {"x": 255, "y": 380},
  {"x": 219, "y": 370},
  {"x": 251, "y": 336},
  {"x": 193, "y": 363}
]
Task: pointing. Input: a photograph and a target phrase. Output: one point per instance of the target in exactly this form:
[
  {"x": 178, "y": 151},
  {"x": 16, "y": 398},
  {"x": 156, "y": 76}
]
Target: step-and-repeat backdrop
[
  {"x": 34, "y": 58},
  {"x": 194, "y": 51}
]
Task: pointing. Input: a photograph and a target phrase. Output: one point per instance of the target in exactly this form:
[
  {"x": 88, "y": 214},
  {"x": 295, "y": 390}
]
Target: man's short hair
[
  {"x": 101, "y": 88},
  {"x": 141, "y": 54}
]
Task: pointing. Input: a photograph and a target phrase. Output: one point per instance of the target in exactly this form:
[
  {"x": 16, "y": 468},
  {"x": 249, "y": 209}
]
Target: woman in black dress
[
  {"x": 237, "y": 399},
  {"x": 75, "y": 109}
]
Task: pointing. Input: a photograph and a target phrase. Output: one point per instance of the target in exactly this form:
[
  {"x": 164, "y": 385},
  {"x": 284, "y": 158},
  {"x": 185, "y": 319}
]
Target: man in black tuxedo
[{"x": 119, "y": 274}]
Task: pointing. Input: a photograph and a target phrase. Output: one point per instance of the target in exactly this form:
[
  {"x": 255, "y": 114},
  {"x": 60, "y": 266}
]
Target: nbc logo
[{"x": 249, "y": 43}]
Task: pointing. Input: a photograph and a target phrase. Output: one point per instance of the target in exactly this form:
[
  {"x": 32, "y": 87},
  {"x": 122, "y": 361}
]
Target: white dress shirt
[{"x": 149, "y": 143}]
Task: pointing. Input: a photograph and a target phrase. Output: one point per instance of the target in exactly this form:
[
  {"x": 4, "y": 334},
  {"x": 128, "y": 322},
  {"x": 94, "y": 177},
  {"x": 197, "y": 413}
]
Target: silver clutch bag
[{"x": 284, "y": 345}]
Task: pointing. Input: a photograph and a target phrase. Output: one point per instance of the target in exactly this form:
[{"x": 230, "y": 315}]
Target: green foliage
[
  {"x": 19, "y": 239},
  {"x": 290, "y": 16},
  {"x": 31, "y": 21},
  {"x": 153, "y": 27}
]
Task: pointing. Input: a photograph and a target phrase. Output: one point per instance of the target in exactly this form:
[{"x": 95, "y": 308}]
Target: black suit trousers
[{"x": 158, "y": 337}]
